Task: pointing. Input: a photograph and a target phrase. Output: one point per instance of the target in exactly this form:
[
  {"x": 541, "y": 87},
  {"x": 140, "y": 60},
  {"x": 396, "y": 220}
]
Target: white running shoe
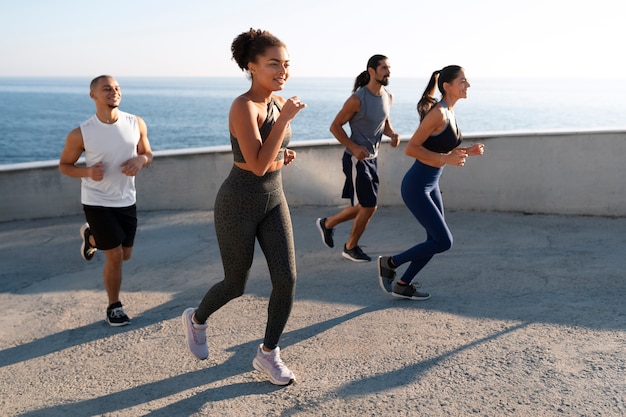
[
  {"x": 195, "y": 335},
  {"x": 272, "y": 365}
]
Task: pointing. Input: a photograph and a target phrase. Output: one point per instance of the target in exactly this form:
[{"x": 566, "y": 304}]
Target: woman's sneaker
[
  {"x": 409, "y": 292},
  {"x": 386, "y": 274},
  {"x": 116, "y": 316},
  {"x": 272, "y": 365},
  {"x": 195, "y": 335}
]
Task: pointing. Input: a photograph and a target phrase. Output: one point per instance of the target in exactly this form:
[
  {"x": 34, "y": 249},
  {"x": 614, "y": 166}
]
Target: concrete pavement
[{"x": 527, "y": 317}]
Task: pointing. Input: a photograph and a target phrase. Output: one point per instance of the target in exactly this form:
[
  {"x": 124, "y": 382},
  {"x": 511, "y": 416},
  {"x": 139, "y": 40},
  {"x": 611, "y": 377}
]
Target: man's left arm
[
  {"x": 388, "y": 131},
  {"x": 144, "y": 152}
]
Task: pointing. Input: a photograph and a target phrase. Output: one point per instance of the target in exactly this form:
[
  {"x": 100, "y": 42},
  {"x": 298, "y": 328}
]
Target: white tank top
[{"x": 111, "y": 144}]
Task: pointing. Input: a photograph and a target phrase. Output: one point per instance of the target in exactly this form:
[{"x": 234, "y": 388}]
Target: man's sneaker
[
  {"x": 409, "y": 292},
  {"x": 327, "y": 234},
  {"x": 272, "y": 365},
  {"x": 355, "y": 254},
  {"x": 116, "y": 316},
  {"x": 195, "y": 335},
  {"x": 86, "y": 250},
  {"x": 386, "y": 274}
]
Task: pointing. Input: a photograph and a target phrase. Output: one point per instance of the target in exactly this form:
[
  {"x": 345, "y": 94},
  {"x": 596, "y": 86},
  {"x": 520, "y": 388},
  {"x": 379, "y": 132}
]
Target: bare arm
[
  {"x": 433, "y": 123},
  {"x": 388, "y": 131},
  {"x": 74, "y": 147},
  {"x": 144, "y": 152},
  {"x": 349, "y": 109},
  {"x": 244, "y": 123}
]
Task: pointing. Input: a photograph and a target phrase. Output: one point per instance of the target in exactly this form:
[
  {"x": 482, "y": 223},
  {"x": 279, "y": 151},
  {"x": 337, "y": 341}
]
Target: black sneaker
[
  {"x": 86, "y": 250},
  {"x": 409, "y": 292},
  {"x": 116, "y": 316},
  {"x": 386, "y": 274},
  {"x": 327, "y": 234},
  {"x": 355, "y": 254}
]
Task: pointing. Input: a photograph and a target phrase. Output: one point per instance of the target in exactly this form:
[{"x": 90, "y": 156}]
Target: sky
[{"x": 325, "y": 38}]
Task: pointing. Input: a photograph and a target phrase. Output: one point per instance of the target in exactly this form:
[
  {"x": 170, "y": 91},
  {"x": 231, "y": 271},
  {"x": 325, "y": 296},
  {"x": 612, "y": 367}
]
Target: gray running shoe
[
  {"x": 116, "y": 316},
  {"x": 386, "y": 274},
  {"x": 409, "y": 292},
  {"x": 195, "y": 335},
  {"x": 327, "y": 234},
  {"x": 86, "y": 250},
  {"x": 355, "y": 254},
  {"x": 272, "y": 365}
]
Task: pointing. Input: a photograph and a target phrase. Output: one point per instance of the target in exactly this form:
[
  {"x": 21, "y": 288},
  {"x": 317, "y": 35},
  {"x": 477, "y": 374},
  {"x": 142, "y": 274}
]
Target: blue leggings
[{"x": 421, "y": 194}]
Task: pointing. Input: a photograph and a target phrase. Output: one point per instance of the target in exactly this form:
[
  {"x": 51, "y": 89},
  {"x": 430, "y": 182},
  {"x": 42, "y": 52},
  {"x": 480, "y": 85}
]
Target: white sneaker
[
  {"x": 195, "y": 335},
  {"x": 272, "y": 365}
]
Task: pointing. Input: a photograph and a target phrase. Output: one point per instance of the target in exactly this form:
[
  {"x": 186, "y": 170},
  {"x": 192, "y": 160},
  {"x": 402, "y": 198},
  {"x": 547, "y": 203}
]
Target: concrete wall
[{"x": 535, "y": 172}]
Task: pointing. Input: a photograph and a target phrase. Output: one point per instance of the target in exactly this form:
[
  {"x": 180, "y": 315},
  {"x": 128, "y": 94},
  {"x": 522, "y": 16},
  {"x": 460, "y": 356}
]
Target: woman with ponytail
[{"x": 435, "y": 143}]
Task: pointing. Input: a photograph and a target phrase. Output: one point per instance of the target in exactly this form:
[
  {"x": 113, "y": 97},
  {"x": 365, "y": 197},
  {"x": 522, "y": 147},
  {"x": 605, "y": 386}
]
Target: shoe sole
[
  {"x": 347, "y": 256},
  {"x": 260, "y": 368},
  {"x": 185, "y": 321},
  {"x": 381, "y": 279},
  {"x": 318, "y": 223},
  {"x": 126, "y": 323},
  {"x": 410, "y": 298}
]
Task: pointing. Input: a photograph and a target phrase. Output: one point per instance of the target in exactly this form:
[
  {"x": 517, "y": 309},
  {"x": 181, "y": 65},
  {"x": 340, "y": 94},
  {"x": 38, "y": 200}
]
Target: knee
[
  {"x": 445, "y": 244},
  {"x": 234, "y": 291},
  {"x": 369, "y": 210},
  {"x": 115, "y": 255}
]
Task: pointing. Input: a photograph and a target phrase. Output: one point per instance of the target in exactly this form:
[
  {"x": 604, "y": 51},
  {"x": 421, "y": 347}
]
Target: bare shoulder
[
  {"x": 352, "y": 103},
  {"x": 279, "y": 99},
  {"x": 75, "y": 136},
  {"x": 437, "y": 114}
]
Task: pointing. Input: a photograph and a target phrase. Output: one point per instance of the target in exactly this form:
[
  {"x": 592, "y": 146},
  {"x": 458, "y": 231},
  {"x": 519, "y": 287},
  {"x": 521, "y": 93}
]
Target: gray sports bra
[{"x": 273, "y": 108}]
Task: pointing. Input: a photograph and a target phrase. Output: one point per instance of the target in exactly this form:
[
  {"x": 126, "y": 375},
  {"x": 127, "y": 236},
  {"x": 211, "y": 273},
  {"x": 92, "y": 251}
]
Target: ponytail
[
  {"x": 428, "y": 99},
  {"x": 361, "y": 80},
  {"x": 438, "y": 78}
]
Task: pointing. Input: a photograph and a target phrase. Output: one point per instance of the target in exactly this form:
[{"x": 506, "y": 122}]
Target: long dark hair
[
  {"x": 428, "y": 100},
  {"x": 249, "y": 45},
  {"x": 364, "y": 77}
]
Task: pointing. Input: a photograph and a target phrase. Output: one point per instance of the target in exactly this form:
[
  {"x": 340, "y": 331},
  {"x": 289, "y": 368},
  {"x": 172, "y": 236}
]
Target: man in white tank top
[{"x": 116, "y": 148}]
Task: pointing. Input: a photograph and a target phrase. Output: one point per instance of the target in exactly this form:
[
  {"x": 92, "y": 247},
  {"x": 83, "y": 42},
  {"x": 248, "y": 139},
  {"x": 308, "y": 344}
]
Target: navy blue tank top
[
  {"x": 445, "y": 141},
  {"x": 273, "y": 108}
]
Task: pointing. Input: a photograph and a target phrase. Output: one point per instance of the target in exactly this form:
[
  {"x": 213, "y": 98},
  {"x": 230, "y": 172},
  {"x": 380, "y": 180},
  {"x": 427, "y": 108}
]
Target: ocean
[{"x": 36, "y": 114}]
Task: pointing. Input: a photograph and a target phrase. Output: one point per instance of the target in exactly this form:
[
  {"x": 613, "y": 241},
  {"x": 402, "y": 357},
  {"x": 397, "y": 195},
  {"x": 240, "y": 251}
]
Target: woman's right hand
[{"x": 292, "y": 107}]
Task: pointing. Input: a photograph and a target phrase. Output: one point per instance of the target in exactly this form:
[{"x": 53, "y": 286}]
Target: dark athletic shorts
[
  {"x": 112, "y": 226},
  {"x": 361, "y": 185}
]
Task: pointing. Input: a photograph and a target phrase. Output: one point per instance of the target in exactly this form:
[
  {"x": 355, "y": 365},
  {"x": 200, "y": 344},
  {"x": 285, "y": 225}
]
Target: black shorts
[{"x": 112, "y": 226}]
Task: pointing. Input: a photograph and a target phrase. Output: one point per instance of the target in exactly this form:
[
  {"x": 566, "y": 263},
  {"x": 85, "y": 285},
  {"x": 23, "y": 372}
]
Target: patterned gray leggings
[{"x": 248, "y": 207}]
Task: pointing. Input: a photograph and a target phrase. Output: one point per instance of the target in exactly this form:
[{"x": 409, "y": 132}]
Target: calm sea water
[{"x": 37, "y": 113}]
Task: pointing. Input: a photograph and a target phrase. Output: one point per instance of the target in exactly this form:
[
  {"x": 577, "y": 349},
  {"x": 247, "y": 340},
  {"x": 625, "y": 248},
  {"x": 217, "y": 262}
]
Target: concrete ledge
[{"x": 557, "y": 172}]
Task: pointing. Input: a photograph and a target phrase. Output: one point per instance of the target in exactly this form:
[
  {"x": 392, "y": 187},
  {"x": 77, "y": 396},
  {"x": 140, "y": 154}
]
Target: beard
[{"x": 383, "y": 81}]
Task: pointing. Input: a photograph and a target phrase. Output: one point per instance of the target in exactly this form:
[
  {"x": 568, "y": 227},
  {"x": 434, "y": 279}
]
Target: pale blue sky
[{"x": 545, "y": 38}]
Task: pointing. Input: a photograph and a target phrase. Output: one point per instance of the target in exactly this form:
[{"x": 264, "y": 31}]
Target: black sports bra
[
  {"x": 265, "y": 130},
  {"x": 445, "y": 141}
]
